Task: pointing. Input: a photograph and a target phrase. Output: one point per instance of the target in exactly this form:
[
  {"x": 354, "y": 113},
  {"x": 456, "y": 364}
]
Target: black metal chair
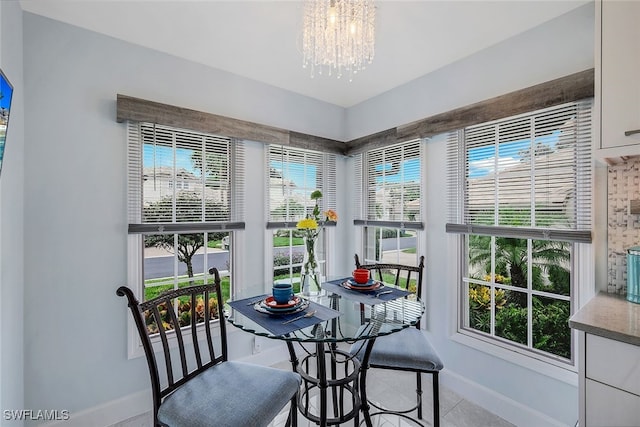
[
  {"x": 199, "y": 386},
  {"x": 407, "y": 350}
]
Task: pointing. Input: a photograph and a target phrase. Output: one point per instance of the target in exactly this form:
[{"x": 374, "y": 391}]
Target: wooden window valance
[
  {"x": 141, "y": 110},
  {"x": 565, "y": 89}
]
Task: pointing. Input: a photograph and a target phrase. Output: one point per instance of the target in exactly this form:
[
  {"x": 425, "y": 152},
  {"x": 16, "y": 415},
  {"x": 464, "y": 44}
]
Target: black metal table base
[{"x": 320, "y": 373}]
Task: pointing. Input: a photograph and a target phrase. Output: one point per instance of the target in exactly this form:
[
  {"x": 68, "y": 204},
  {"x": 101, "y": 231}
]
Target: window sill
[{"x": 566, "y": 373}]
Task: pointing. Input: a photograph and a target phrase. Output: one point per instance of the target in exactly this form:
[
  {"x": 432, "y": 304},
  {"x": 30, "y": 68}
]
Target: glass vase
[{"x": 310, "y": 275}]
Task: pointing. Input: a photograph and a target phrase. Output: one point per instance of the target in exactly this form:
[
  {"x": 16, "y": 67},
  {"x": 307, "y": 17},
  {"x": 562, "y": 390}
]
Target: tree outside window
[{"x": 520, "y": 200}]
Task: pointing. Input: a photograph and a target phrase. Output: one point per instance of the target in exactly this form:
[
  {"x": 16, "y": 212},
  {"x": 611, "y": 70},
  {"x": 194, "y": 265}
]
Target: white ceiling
[{"x": 260, "y": 39}]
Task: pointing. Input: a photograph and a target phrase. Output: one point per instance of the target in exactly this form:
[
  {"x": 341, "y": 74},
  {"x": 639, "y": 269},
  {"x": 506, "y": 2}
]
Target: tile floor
[{"x": 397, "y": 390}]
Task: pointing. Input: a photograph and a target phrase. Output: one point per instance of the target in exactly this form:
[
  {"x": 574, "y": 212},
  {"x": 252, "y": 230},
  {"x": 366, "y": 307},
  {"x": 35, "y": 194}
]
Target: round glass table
[{"x": 313, "y": 331}]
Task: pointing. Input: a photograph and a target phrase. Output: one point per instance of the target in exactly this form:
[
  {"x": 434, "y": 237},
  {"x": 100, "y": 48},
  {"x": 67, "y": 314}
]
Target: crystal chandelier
[{"x": 338, "y": 36}]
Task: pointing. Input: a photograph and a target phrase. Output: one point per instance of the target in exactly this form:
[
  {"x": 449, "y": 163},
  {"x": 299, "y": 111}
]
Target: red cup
[{"x": 360, "y": 275}]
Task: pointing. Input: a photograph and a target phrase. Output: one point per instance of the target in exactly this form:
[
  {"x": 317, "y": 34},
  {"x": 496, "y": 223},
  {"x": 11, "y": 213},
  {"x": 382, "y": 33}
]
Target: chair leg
[
  {"x": 293, "y": 413},
  {"x": 364, "y": 402},
  {"x": 436, "y": 400},
  {"x": 419, "y": 394}
]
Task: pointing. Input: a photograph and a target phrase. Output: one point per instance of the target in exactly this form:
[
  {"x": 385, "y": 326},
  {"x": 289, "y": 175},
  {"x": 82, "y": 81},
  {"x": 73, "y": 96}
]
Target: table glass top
[{"x": 338, "y": 314}]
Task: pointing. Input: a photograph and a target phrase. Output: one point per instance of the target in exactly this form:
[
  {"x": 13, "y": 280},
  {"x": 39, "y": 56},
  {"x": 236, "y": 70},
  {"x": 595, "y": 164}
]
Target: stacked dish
[
  {"x": 270, "y": 306},
  {"x": 370, "y": 285}
]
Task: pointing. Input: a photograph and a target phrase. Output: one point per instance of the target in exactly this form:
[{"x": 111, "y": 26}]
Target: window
[
  {"x": 293, "y": 175},
  {"x": 520, "y": 198},
  {"x": 184, "y": 192},
  {"x": 180, "y": 184},
  {"x": 388, "y": 202}
]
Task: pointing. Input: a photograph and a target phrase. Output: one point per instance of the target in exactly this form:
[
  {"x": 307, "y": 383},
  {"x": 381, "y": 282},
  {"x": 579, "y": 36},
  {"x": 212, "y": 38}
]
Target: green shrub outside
[
  {"x": 549, "y": 322},
  {"x": 184, "y": 304},
  {"x": 284, "y": 260},
  {"x": 550, "y": 328}
]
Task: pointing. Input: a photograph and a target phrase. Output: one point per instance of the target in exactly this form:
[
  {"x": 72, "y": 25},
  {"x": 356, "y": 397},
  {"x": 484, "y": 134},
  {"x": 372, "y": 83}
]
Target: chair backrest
[
  {"x": 402, "y": 276},
  {"x": 192, "y": 309}
]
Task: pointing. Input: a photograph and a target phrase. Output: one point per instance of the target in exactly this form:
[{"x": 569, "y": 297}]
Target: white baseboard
[
  {"x": 499, "y": 404},
  {"x": 109, "y": 413}
]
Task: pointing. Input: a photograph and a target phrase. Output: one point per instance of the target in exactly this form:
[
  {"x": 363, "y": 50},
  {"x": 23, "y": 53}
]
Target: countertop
[{"x": 609, "y": 316}]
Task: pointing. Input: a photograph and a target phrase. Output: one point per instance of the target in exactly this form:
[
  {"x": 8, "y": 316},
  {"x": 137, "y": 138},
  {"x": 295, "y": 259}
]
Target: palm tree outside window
[{"x": 519, "y": 199}]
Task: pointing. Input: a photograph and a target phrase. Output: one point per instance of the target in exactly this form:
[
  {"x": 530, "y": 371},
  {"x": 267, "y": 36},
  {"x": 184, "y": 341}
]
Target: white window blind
[
  {"x": 531, "y": 173},
  {"x": 183, "y": 181},
  {"x": 293, "y": 175},
  {"x": 389, "y": 181}
]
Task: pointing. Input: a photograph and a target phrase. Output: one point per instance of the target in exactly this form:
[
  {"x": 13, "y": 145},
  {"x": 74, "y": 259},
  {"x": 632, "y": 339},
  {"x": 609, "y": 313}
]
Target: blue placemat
[
  {"x": 365, "y": 297},
  {"x": 273, "y": 323}
]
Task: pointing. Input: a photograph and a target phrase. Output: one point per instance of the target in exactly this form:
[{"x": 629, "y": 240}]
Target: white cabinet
[
  {"x": 609, "y": 406},
  {"x": 610, "y": 378},
  {"x": 608, "y": 329},
  {"x": 620, "y": 74}
]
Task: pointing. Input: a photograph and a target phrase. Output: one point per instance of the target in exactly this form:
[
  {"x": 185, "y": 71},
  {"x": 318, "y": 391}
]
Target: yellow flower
[
  {"x": 498, "y": 278},
  {"x": 331, "y": 215},
  {"x": 307, "y": 224}
]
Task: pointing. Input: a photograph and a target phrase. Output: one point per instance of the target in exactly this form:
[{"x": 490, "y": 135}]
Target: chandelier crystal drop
[{"x": 338, "y": 36}]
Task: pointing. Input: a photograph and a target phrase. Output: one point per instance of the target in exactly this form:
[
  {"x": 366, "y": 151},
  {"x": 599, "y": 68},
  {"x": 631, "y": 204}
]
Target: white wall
[
  {"x": 11, "y": 218},
  {"x": 74, "y": 196},
  {"x": 75, "y": 213},
  {"x": 558, "y": 48}
]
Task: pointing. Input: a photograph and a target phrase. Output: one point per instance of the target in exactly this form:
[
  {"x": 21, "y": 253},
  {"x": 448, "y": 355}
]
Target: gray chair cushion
[
  {"x": 408, "y": 349},
  {"x": 230, "y": 394}
]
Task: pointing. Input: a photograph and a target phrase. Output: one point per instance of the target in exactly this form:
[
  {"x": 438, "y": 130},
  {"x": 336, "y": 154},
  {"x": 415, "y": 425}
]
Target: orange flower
[{"x": 331, "y": 215}]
